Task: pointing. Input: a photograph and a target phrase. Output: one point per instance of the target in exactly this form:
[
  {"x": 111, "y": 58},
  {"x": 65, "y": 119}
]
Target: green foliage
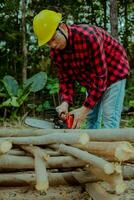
[
  {"x": 52, "y": 85},
  {"x": 39, "y": 108},
  {"x": 15, "y": 94},
  {"x": 11, "y": 85},
  {"x": 37, "y": 82},
  {"x": 131, "y": 103}
]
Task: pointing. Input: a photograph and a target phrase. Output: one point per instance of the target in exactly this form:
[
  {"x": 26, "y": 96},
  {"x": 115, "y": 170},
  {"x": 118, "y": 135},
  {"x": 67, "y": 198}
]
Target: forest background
[{"x": 28, "y": 79}]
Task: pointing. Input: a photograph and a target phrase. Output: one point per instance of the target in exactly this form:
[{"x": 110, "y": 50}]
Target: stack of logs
[{"x": 43, "y": 157}]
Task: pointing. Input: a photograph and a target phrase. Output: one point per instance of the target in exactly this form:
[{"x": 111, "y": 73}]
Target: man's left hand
[{"x": 80, "y": 115}]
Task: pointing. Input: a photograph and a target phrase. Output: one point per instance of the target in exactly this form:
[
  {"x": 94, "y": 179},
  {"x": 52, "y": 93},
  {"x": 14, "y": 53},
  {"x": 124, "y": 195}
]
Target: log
[
  {"x": 50, "y": 139},
  {"x": 55, "y": 179},
  {"x": 120, "y": 151},
  {"x": 34, "y": 150},
  {"x": 40, "y": 156},
  {"x": 128, "y": 172},
  {"x": 51, "y": 152},
  {"x": 21, "y": 132},
  {"x": 117, "y": 134},
  {"x": 25, "y": 162},
  {"x": 115, "y": 180},
  {"x": 132, "y": 157},
  {"x": 42, "y": 183},
  {"x": 16, "y": 162},
  {"x": 105, "y": 135},
  {"x": 107, "y": 167},
  {"x": 5, "y": 146},
  {"x": 19, "y": 152},
  {"x": 98, "y": 193}
]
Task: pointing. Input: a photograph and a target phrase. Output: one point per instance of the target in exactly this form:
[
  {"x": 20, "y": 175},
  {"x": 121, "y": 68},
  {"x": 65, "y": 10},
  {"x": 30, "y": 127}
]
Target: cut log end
[
  {"x": 124, "y": 153},
  {"x": 42, "y": 186},
  {"x": 120, "y": 188},
  {"x": 109, "y": 168},
  {"x": 83, "y": 139},
  {"x": 118, "y": 169},
  {"x": 5, "y": 147}
]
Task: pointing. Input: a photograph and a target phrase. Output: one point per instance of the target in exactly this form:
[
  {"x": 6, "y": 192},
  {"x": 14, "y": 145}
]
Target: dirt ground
[{"x": 57, "y": 193}]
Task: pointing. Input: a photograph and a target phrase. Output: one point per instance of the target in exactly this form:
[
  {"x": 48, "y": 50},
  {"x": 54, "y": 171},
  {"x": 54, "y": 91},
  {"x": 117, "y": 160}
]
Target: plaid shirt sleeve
[
  {"x": 66, "y": 91},
  {"x": 98, "y": 82}
]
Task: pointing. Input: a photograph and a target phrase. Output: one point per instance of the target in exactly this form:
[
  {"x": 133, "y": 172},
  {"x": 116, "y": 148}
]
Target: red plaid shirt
[{"x": 93, "y": 58}]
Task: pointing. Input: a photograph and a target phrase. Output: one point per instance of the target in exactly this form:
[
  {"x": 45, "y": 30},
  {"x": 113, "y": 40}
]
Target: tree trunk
[
  {"x": 114, "y": 18},
  {"x": 104, "y": 3},
  {"x": 24, "y": 46}
]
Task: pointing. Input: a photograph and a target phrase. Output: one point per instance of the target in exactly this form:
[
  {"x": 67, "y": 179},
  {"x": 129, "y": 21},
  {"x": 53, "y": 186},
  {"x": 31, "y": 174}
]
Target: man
[{"x": 90, "y": 56}]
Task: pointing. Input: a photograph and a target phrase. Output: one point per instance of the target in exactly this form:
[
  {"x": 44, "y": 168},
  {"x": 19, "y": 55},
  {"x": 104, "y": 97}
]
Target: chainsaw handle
[{"x": 69, "y": 120}]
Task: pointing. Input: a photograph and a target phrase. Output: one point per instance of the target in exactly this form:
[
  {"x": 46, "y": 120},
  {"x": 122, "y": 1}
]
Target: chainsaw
[{"x": 55, "y": 123}]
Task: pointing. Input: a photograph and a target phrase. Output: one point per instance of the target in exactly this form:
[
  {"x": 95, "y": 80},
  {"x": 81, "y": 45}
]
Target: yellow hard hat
[{"x": 45, "y": 24}]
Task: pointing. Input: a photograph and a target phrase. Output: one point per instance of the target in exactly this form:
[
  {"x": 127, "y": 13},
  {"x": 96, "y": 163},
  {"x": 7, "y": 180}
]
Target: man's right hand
[{"x": 62, "y": 110}]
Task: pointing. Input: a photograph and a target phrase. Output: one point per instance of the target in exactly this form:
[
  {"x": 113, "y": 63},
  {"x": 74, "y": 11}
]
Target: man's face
[{"x": 58, "y": 41}]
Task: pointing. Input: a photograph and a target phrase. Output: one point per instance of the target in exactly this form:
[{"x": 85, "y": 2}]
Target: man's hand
[
  {"x": 62, "y": 110},
  {"x": 79, "y": 116}
]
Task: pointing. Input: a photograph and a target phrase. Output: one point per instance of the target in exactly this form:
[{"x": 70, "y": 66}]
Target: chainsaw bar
[{"x": 38, "y": 123}]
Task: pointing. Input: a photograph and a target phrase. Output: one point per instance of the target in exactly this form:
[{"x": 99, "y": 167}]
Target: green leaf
[
  {"x": 10, "y": 102},
  {"x": 11, "y": 85},
  {"x": 131, "y": 103},
  {"x": 37, "y": 82}
]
